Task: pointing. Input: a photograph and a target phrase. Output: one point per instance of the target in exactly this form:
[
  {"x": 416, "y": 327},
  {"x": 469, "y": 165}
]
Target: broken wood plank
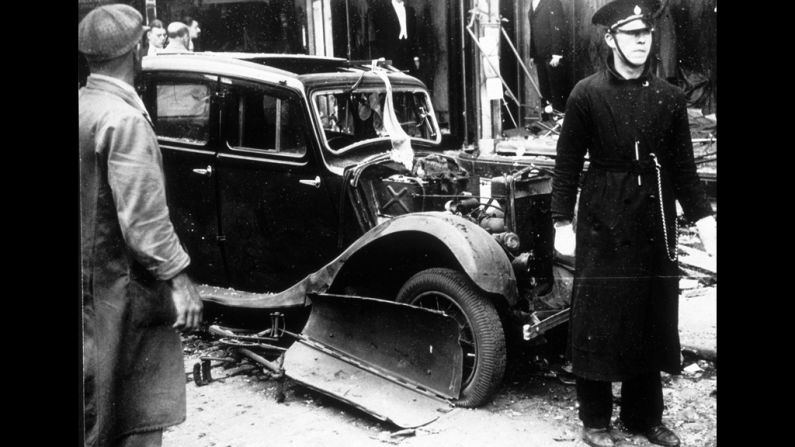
[{"x": 698, "y": 260}]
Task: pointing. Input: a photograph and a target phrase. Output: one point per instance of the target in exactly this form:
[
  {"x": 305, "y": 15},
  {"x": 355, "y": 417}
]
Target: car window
[
  {"x": 183, "y": 111},
  {"x": 351, "y": 117},
  {"x": 263, "y": 120},
  {"x": 411, "y": 111}
]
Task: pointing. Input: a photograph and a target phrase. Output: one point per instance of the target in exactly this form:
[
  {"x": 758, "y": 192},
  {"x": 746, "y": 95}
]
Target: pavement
[
  {"x": 242, "y": 410},
  {"x": 698, "y": 321}
]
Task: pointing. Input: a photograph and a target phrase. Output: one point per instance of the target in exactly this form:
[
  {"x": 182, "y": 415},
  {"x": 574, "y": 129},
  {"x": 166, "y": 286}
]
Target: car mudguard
[{"x": 481, "y": 258}]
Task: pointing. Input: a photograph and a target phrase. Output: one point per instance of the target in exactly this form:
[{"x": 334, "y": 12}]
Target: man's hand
[
  {"x": 555, "y": 61},
  {"x": 186, "y": 301},
  {"x": 708, "y": 232},
  {"x": 565, "y": 239}
]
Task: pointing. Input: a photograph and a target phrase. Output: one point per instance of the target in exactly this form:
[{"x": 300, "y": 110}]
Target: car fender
[{"x": 480, "y": 256}]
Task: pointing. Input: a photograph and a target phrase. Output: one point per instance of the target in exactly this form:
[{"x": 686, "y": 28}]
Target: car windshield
[{"x": 351, "y": 118}]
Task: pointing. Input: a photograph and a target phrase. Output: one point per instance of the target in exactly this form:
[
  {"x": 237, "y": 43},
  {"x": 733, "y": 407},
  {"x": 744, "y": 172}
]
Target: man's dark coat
[
  {"x": 624, "y": 319},
  {"x": 547, "y": 27},
  {"x": 548, "y": 37},
  {"x": 384, "y": 31}
]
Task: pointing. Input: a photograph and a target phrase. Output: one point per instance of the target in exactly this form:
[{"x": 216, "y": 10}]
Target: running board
[{"x": 399, "y": 363}]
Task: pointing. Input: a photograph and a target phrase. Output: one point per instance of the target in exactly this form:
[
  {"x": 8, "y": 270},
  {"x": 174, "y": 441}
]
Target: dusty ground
[{"x": 534, "y": 407}]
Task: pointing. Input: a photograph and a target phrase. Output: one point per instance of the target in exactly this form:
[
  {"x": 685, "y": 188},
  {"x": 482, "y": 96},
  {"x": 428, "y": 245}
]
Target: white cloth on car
[{"x": 402, "y": 151}]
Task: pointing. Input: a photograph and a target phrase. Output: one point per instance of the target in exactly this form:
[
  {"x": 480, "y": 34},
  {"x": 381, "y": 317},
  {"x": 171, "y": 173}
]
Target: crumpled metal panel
[
  {"x": 384, "y": 399},
  {"x": 397, "y": 362},
  {"x": 417, "y": 345},
  {"x": 479, "y": 255},
  {"x": 251, "y": 300}
]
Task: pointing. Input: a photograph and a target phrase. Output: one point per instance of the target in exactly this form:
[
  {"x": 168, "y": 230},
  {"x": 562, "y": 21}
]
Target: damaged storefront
[{"x": 473, "y": 55}]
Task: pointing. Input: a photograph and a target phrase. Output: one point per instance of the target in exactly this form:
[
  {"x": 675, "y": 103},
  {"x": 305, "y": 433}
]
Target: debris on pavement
[
  {"x": 404, "y": 432},
  {"x": 541, "y": 391},
  {"x": 692, "y": 369},
  {"x": 528, "y": 407},
  {"x": 688, "y": 283}
]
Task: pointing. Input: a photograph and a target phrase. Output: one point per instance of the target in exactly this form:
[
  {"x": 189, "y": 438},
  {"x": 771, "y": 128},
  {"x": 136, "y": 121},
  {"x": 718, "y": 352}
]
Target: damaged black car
[{"x": 293, "y": 177}]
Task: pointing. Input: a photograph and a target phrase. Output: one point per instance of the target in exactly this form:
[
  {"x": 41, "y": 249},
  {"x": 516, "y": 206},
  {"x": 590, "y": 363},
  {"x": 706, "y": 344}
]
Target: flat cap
[
  {"x": 109, "y": 31},
  {"x": 621, "y": 12}
]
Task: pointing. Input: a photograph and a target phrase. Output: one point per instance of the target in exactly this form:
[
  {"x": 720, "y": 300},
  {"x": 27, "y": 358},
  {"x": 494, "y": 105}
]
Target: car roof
[
  {"x": 296, "y": 63},
  {"x": 307, "y": 70}
]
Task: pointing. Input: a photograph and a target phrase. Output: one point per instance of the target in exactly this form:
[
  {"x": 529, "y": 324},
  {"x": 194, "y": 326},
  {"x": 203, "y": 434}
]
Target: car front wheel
[{"x": 481, "y": 335}]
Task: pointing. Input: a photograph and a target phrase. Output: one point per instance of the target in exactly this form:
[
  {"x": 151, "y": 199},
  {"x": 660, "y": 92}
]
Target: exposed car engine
[{"x": 514, "y": 208}]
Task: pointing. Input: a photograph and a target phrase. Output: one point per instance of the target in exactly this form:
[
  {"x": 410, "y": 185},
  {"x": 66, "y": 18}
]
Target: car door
[
  {"x": 183, "y": 109},
  {"x": 276, "y": 211}
]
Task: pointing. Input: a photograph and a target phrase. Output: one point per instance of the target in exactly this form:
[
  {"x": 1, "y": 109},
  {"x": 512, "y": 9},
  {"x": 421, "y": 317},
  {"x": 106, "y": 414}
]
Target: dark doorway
[{"x": 509, "y": 67}]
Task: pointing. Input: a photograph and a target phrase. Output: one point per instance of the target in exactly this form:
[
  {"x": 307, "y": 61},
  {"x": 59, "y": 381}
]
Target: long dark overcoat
[
  {"x": 624, "y": 318},
  {"x": 548, "y": 36},
  {"x": 384, "y": 29},
  {"x": 133, "y": 371},
  {"x": 547, "y": 30}
]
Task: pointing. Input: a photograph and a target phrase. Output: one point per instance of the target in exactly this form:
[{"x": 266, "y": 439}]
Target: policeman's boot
[{"x": 597, "y": 437}]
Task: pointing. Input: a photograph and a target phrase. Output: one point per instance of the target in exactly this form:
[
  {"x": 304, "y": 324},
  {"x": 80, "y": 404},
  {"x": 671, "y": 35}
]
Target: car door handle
[
  {"x": 315, "y": 182},
  {"x": 208, "y": 171}
]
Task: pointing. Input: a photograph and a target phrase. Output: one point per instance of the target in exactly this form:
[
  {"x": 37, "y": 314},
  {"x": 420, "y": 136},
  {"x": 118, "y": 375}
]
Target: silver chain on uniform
[{"x": 672, "y": 254}]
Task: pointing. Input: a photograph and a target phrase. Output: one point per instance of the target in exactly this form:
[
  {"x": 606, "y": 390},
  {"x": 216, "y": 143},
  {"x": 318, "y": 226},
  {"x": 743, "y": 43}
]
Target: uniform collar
[{"x": 615, "y": 76}]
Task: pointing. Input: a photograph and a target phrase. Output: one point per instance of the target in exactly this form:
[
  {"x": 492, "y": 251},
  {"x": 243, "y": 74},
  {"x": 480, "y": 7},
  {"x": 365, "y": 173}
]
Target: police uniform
[{"x": 625, "y": 297}]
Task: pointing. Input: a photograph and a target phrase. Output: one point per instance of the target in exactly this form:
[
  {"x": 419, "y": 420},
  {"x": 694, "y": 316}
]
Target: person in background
[
  {"x": 667, "y": 64},
  {"x": 625, "y": 298},
  {"x": 548, "y": 51},
  {"x": 178, "y": 38},
  {"x": 135, "y": 292},
  {"x": 195, "y": 32},
  {"x": 156, "y": 37},
  {"x": 393, "y": 34}
]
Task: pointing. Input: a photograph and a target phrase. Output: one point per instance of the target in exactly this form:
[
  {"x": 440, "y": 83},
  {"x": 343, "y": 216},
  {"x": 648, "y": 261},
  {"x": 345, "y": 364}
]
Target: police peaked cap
[
  {"x": 620, "y": 12},
  {"x": 109, "y": 31}
]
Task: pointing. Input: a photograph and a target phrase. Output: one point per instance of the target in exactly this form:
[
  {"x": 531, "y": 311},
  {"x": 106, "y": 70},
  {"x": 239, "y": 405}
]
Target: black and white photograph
[{"x": 412, "y": 223}]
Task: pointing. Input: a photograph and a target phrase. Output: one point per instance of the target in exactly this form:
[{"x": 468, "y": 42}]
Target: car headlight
[{"x": 508, "y": 240}]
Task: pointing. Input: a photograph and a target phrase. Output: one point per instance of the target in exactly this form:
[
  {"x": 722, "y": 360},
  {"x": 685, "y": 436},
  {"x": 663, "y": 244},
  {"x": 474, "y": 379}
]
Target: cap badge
[{"x": 636, "y": 10}]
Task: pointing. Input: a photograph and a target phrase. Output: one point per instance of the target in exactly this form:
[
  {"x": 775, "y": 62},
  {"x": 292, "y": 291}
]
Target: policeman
[{"x": 624, "y": 316}]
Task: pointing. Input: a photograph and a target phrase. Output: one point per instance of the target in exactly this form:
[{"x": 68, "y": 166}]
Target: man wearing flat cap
[
  {"x": 624, "y": 315},
  {"x": 135, "y": 291}
]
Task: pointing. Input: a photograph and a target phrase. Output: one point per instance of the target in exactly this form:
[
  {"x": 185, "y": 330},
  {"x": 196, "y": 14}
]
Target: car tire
[{"x": 482, "y": 338}]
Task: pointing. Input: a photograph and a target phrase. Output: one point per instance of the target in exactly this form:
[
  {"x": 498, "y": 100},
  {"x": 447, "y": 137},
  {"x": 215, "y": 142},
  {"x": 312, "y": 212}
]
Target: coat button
[{"x": 652, "y": 196}]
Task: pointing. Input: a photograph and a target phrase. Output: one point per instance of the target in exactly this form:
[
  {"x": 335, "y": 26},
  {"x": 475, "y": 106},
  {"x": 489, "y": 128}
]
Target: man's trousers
[
  {"x": 553, "y": 83},
  {"x": 641, "y": 402}
]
